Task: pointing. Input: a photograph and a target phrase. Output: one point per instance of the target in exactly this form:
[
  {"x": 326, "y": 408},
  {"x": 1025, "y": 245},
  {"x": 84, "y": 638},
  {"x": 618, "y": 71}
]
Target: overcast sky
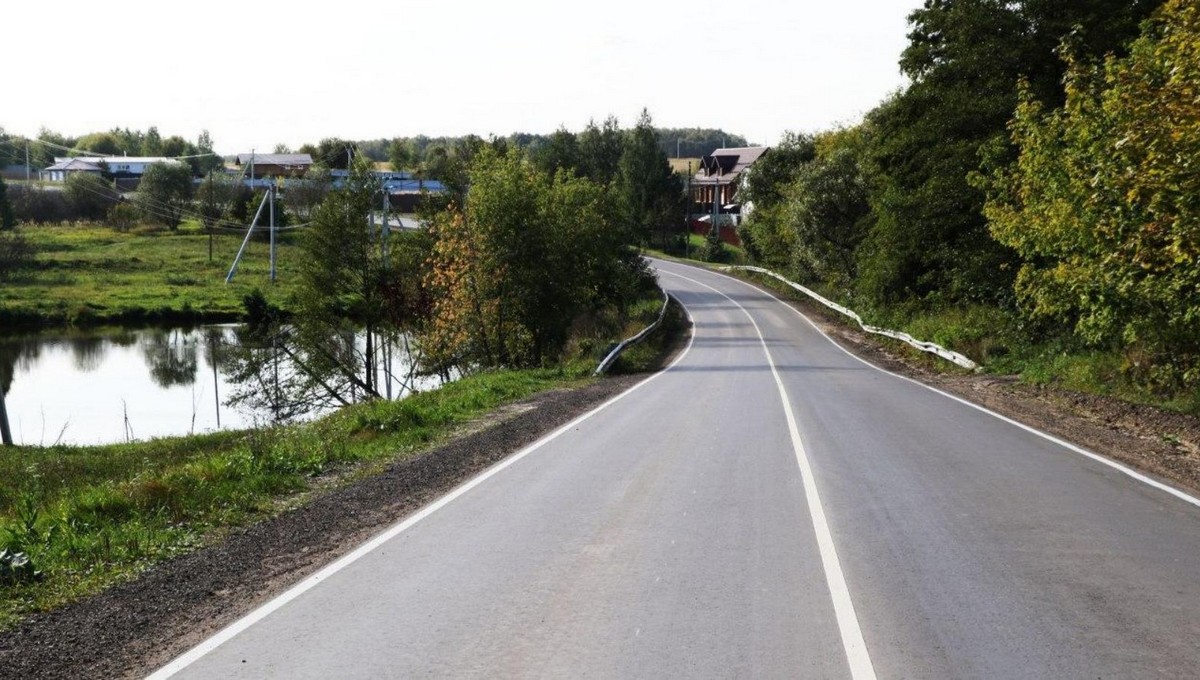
[{"x": 260, "y": 72}]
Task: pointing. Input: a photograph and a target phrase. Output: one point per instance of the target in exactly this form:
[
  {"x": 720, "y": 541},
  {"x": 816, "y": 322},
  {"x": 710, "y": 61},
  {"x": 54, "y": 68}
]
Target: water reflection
[{"x": 115, "y": 385}]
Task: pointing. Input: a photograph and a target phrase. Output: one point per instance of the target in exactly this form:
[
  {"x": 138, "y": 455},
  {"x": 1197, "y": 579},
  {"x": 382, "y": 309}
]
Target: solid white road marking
[
  {"x": 857, "y": 655},
  {"x": 1184, "y": 496},
  {"x": 231, "y": 631}
]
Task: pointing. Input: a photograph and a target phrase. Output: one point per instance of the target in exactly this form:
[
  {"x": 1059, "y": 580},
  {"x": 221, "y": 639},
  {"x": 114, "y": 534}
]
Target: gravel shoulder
[{"x": 136, "y": 627}]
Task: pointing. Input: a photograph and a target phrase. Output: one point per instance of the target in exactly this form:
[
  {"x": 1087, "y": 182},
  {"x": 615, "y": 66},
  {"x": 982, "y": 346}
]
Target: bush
[
  {"x": 16, "y": 254},
  {"x": 715, "y": 251},
  {"x": 40, "y": 206}
]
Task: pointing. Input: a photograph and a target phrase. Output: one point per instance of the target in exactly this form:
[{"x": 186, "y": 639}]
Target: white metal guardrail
[
  {"x": 626, "y": 344},
  {"x": 922, "y": 345}
]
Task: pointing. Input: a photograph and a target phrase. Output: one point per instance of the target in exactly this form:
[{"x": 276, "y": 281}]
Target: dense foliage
[
  {"x": 1103, "y": 203},
  {"x": 527, "y": 255}
]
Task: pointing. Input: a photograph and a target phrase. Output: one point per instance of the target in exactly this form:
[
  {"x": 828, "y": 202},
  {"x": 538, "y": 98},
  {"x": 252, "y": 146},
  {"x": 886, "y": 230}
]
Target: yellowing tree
[
  {"x": 1104, "y": 201},
  {"x": 526, "y": 256}
]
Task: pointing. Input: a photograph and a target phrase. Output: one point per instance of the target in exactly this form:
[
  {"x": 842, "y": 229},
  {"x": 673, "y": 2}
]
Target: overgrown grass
[
  {"x": 92, "y": 516},
  {"x": 91, "y": 273}
]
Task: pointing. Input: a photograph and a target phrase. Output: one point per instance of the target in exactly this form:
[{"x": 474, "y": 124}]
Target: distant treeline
[
  {"x": 674, "y": 142},
  {"x": 115, "y": 142}
]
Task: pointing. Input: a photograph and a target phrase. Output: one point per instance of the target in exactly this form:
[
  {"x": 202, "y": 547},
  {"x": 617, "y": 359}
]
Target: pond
[{"x": 117, "y": 385}]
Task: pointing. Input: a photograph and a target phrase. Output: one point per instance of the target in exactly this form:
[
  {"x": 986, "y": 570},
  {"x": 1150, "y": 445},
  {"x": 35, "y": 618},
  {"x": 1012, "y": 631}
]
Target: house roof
[
  {"x": 75, "y": 164},
  {"x": 114, "y": 160},
  {"x": 284, "y": 159},
  {"x": 725, "y": 165}
]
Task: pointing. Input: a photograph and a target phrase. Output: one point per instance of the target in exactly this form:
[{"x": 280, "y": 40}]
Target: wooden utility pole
[{"x": 272, "y": 198}]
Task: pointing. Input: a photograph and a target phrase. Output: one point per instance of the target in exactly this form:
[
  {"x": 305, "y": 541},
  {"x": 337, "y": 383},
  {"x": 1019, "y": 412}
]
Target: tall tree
[
  {"x": 1104, "y": 202},
  {"x": 510, "y": 273},
  {"x": 965, "y": 58},
  {"x": 650, "y": 191},
  {"x": 600, "y": 150},
  {"x": 164, "y": 192},
  {"x": 559, "y": 152}
]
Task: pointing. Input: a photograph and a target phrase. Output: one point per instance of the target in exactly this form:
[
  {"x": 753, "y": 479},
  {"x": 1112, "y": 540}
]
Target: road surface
[{"x": 769, "y": 506}]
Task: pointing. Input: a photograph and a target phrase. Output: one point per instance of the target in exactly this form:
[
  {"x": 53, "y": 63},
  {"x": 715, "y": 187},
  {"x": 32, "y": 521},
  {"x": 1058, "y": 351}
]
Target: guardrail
[
  {"x": 615, "y": 353},
  {"x": 922, "y": 345}
]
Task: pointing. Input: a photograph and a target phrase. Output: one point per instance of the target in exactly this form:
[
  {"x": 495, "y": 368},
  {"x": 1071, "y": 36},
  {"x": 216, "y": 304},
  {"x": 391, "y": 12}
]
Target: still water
[{"x": 99, "y": 387}]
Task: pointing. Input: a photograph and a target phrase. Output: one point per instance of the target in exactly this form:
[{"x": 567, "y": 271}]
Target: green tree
[
  {"x": 829, "y": 211},
  {"x": 650, "y": 191},
  {"x": 91, "y": 196},
  {"x": 402, "y": 154},
  {"x": 559, "y": 152},
  {"x": 600, "y": 149},
  {"x": 1104, "y": 201},
  {"x": 929, "y": 238},
  {"x": 527, "y": 256},
  {"x": 164, "y": 192},
  {"x": 215, "y": 198},
  {"x": 8, "y": 220},
  {"x": 767, "y": 231}
]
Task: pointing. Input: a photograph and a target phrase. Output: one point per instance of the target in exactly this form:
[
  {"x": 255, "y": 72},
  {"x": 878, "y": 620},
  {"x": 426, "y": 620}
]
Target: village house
[{"x": 268, "y": 165}]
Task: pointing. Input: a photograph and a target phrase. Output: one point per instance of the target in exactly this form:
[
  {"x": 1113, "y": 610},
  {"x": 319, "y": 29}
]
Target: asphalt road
[{"x": 767, "y": 507}]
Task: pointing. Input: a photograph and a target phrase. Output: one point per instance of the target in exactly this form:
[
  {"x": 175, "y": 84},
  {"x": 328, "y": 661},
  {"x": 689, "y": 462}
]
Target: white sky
[{"x": 260, "y": 72}]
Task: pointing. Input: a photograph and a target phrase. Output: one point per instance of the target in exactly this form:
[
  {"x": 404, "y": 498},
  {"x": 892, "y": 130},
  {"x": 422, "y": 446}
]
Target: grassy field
[{"x": 91, "y": 273}]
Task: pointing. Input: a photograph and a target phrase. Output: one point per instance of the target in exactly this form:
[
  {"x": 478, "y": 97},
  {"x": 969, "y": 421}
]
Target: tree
[
  {"x": 829, "y": 211},
  {"x": 91, "y": 196},
  {"x": 350, "y": 300},
  {"x": 929, "y": 238},
  {"x": 332, "y": 152},
  {"x": 650, "y": 191},
  {"x": 303, "y": 196},
  {"x": 767, "y": 231},
  {"x": 164, "y": 192},
  {"x": 600, "y": 151},
  {"x": 216, "y": 197},
  {"x": 208, "y": 161},
  {"x": 1103, "y": 202},
  {"x": 402, "y": 154},
  {"x": 8, "y": 220},
  {"x": 511, "y": 271},
  {"x": 559, "y": 152}
]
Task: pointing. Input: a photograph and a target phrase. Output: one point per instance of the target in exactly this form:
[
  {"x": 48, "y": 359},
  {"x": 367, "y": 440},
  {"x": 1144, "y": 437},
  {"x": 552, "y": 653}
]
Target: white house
[{"x": 120, "y": 167}]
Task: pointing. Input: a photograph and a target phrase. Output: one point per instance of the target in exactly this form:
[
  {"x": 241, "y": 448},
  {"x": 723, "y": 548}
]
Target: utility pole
[
  {"x": 5, "y": 433},
  {"x": 251, "y": 169},
  {"x": 386, "y": 230},
  {"x": 27, "y": 161},
  {"x": 687, "y": 216},
  {"x": 272, "y": 198}
]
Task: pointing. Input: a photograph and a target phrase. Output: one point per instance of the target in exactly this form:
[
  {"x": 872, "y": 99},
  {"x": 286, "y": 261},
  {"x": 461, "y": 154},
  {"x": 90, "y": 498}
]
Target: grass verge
[{"x": 90, "y": 517}]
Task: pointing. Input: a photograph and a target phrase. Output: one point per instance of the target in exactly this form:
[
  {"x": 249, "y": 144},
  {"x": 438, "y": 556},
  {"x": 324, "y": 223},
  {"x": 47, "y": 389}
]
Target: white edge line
[
  {"x": 194, "y": 654},
  {"x": 857, "y": 656},
  {"x": 1182, "y": 495}
]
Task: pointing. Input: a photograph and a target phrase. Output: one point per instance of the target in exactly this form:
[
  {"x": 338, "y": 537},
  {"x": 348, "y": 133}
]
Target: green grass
[
  {"x": 93, "y": 516},
  {"x": 89, "y": 273}
]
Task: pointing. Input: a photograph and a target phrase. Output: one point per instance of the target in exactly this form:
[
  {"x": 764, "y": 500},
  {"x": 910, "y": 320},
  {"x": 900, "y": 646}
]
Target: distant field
[
  {"x": 680, "y": 165},
  {"x": 93, "y": 273}
]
